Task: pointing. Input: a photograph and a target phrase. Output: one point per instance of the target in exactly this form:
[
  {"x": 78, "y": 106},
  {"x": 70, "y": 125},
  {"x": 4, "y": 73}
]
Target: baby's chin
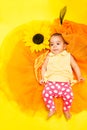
[{"x": 56, "y": 51}]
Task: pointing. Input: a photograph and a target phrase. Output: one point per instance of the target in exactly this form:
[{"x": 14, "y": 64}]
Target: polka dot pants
[{"x": 57, "y": 89}]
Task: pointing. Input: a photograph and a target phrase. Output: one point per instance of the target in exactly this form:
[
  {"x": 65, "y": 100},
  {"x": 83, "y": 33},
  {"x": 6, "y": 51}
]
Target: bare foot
[
  {"x": 67, "y": 115},
  {"x": 51, "y": 113}
]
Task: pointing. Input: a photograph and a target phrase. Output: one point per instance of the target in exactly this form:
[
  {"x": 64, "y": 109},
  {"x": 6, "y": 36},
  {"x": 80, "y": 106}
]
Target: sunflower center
[{"x": 38, "y": 38}]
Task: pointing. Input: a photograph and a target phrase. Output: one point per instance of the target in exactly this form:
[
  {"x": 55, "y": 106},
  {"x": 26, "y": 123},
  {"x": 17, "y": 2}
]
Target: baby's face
[{"x": 57, "y": 44}]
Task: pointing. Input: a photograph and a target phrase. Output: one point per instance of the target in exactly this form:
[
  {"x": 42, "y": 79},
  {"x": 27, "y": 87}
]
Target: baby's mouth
[{"x": 55, "y": 49}]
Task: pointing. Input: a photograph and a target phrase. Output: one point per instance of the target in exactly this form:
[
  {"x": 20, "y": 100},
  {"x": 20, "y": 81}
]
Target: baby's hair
[{"x": 59, "y": 34}]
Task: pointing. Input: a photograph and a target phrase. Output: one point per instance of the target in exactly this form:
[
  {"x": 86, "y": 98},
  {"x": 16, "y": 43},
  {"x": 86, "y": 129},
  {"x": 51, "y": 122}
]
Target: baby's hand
[
  {"x": 80, "y": 79},
  {"x": 41, "y": 81}
]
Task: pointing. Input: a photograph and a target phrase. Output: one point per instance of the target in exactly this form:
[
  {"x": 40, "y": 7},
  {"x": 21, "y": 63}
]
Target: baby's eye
[
  {"x": 51, "y": 44},
  {"x": 58, "y": 43}
]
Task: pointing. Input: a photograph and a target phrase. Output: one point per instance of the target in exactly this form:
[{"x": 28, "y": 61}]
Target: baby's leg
[
  {"x": 67, "y": 98},
  {"x": 48, "y": 95}
]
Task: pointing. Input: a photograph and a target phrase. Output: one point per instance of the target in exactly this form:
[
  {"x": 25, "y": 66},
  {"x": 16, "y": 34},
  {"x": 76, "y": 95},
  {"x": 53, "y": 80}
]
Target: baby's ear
[{"x": 65, "y": 46}]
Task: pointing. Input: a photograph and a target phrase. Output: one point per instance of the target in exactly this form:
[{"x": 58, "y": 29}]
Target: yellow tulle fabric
[{"x": 18, "y": 68}]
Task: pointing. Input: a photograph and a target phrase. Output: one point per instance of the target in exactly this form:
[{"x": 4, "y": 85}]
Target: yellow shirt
[{"x": 59, "y": 68}]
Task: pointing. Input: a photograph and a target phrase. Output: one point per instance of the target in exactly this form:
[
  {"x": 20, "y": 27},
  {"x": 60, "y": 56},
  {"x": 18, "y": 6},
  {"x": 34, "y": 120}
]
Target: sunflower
[{"x": 36, "y": 35}]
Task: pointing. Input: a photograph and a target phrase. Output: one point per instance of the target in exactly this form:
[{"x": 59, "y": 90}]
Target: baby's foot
[
  {"x": 51, "y": 113},
  {"x": 67, "y": 115}
]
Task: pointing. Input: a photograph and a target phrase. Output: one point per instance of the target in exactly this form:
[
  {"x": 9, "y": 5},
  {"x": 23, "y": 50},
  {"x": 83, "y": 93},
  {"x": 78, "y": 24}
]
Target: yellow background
[{"x": 14, "y": 13}]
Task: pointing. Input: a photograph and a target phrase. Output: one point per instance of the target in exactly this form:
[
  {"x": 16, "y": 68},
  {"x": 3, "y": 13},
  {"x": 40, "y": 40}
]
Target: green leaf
[{"x": 62, "y": 14}]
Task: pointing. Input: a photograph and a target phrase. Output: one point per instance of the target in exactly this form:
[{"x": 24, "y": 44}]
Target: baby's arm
[
  {"x": 44, "y": 69},
  {"x": 76, "y": 69}
]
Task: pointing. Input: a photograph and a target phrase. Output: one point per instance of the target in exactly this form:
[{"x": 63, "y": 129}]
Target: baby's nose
[{"x": 54, "y": 45}]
